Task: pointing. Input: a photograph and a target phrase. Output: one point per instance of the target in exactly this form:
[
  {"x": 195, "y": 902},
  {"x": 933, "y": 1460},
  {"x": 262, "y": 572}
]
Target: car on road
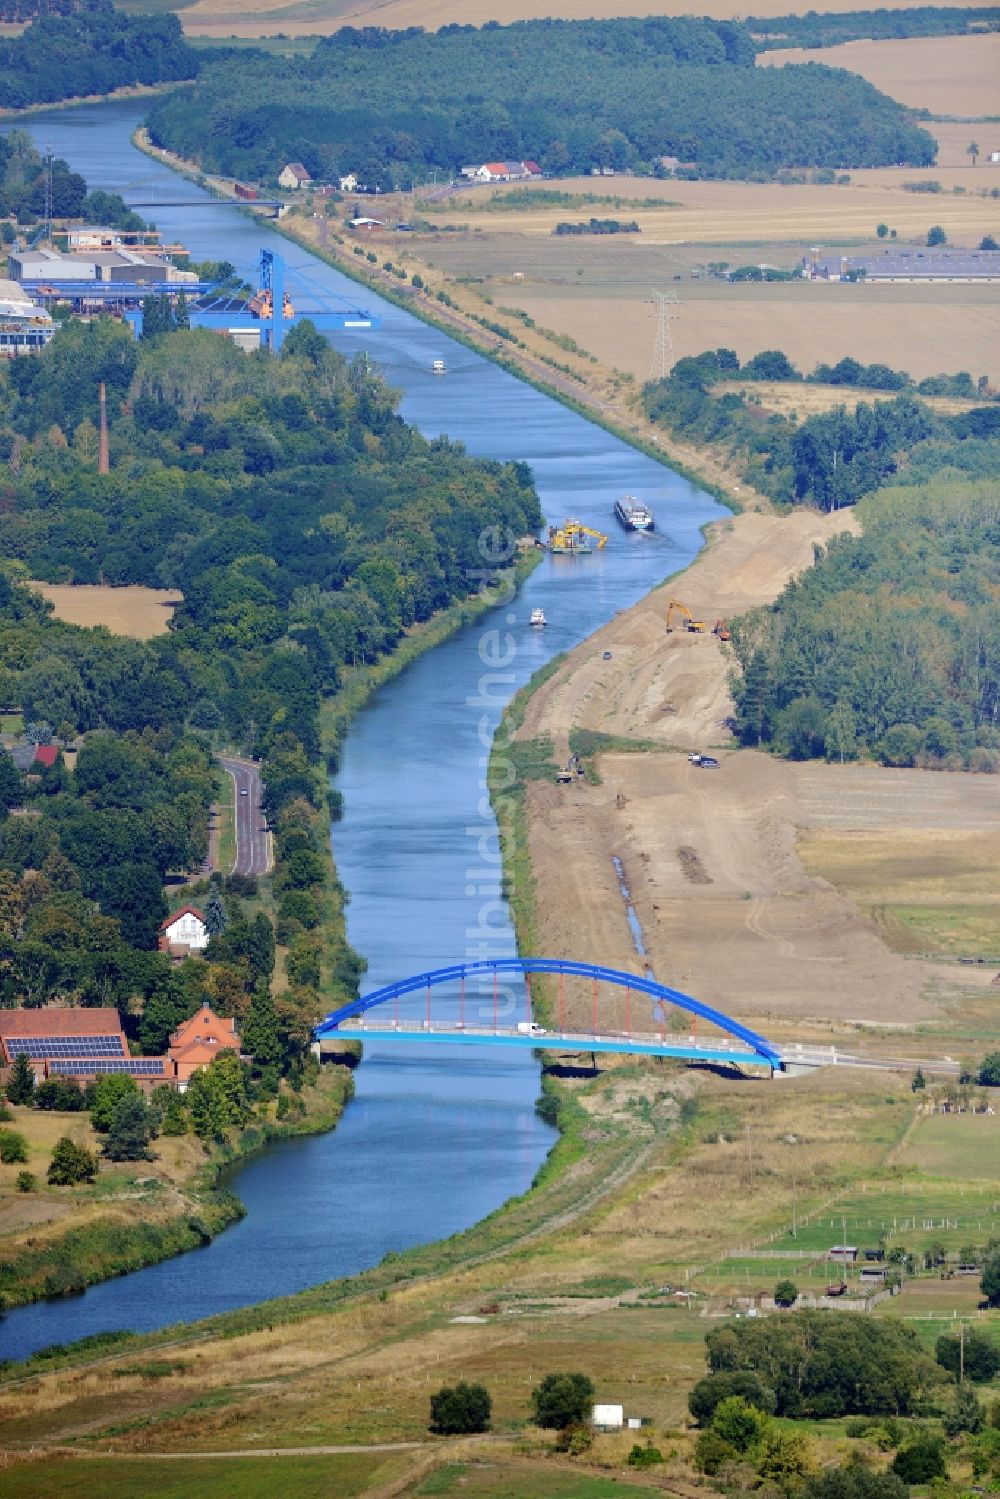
[
  {"x": 244, "y": 791},
  {"x": 704, "y": 762}
]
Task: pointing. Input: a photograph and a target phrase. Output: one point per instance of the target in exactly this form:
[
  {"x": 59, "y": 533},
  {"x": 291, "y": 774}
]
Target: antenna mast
[{"x": 663, "y": 351}]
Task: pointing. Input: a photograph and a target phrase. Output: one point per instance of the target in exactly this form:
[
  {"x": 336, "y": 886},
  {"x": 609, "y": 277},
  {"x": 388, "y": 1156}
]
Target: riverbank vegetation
[
  {"x": 641, "y": 89},
  {"x": 91, "y": 49},
  {"x": 310, "y": 531},
  {"x": 890, "y": 645}
]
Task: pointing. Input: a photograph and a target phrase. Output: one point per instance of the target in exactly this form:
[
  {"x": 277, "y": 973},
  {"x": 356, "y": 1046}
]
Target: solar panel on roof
[
  {"x": 134, "y": 1066},
  {"x": 66, "y": 1046}
]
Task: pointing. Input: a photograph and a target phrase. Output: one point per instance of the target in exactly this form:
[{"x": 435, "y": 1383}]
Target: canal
[{"x": 434, "y": 1139}]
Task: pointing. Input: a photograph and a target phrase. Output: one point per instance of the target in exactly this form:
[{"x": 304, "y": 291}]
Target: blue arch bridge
[{"x": 489, "y": 1003}]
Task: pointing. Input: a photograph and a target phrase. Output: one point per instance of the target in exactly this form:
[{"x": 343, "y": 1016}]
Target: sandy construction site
[{"x": 727, "y": 908}]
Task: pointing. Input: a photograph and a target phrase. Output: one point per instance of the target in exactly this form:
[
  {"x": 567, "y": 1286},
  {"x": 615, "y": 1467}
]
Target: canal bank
[{"x": 429, "y": 1146}]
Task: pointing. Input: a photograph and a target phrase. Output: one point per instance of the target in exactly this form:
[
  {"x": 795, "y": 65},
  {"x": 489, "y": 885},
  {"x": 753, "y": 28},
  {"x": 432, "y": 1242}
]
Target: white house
[
  {"x": 349, "y": 184},
  {"x": 294, "y": 175},
  {"x": 185, "y": 929},
  {"x": 608, "y": 1417}
]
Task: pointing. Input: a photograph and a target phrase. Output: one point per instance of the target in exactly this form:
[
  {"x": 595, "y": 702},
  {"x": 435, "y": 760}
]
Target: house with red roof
[
  {"x": 183, "y": 932},
  {"x": 62, "y": 1041},
  {"x": 198, "y": 1041},
  {"x": 46, "y": 755}
]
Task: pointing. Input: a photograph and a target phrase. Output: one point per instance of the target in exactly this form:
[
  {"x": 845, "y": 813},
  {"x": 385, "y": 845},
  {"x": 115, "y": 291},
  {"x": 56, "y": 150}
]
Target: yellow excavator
[
  {"x": 692, "y": 625},
  {"x": 574, "y": 537}
]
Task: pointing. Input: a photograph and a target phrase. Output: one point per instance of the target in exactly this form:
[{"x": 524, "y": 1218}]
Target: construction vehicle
[
  {"x": 722, "y": 630},
  {"x": 574, "y": 538},
  {"x": 692, "y": 625}
]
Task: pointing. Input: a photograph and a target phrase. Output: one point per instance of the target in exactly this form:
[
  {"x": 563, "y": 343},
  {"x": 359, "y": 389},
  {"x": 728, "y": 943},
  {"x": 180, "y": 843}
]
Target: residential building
[
  {"x": 199, "y": 1041},
  {"x": 184, "y": 931},
  {"x": 502, "y": 171},
  {"x": 349, "y": 184},
  {"x": 294, "y": 175}
]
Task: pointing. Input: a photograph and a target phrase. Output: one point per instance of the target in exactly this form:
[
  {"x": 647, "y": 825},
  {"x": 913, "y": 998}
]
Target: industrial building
[
  {"x": 904, "y": 265},
  {"x": 107, "y": 266},
  {"x": 24, "y": 326}
]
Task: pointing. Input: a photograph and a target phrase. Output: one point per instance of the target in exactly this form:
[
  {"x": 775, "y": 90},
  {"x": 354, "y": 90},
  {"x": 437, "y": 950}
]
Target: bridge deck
[{"x": 686, "y": 1048}]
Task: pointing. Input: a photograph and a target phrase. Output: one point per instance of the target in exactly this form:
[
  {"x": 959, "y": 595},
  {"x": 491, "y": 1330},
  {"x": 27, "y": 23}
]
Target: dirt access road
[{"x": 727, "y": 909}]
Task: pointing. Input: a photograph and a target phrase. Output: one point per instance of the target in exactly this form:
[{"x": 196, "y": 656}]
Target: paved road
[
  {"x": 253, "y": 841},
  {"x": 827, "y": 1056}
]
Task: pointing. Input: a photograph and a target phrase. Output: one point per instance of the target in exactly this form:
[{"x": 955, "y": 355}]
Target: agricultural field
[
  {"x": 135, "y": 611},
  {"x": 221, "y": 18},
  {"x": 953, "y": 75}
]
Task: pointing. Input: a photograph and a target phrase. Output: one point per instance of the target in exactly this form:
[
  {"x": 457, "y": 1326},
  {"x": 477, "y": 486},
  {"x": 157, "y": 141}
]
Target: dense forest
[
  {"x": 890, "y": 644},
  {"x": 834, "y": 457},
  {"x": 307, "y": 527},
  {"x": 91, "y": 50},
  {"x": 571, "y": 94},
  {"x": 831, "y": 28}
]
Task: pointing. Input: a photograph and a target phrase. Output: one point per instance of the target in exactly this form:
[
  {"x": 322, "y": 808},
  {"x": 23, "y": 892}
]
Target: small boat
[
  {"x": 439, "y": 367},
  {"x": 538, "y": 617},
  {"x": 632, "y": 515}
]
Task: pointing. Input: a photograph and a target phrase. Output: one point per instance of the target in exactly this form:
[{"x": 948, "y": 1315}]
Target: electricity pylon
[{"x": 663, "y": 350}]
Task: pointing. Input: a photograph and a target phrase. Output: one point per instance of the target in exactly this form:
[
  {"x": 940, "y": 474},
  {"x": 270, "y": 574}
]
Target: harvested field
[
  {"x": 949, "y": 75},
  {"x": 922, "y": 329},
  {"x": 219, "y": 18},
  {"x": 752, "y": 214},
  {"x": 135, "y": 611},
  {"x": 796, "y": 399}
]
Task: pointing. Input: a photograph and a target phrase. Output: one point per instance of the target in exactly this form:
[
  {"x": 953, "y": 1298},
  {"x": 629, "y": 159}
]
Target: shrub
[
  {"x": 460, "y": 1408},
  {"x": 786, "y": 1293},
  {"x": 714, "y": 1388},
  {"x": 920, "y": 1460},
  {"x": 644, "y": 1457},
  {"x": 966, "y": 1414},
  {"x": 936, "y": 235},
  {"x": 855, "y": 1481},
  {"x": 70, "y": 1164},
  {"x": 13, "y": 1147},
  {"x": 6, "y": 1114},
  {"x": 989, "y": 1280},
  {"x": 62, "y": 1094},
  {"x": 26, "y": 1181},
  {"x": 989, "y": 1071},
  {"x": 562, "y": 1400},
  {"x": 130, "y": 1130},
  {"x": 739, "y": 1424},
  {"x": 108, "y": 1092},
  {"x": 710, "y": 1452}
]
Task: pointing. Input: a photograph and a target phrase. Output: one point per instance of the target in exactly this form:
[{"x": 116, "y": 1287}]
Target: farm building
[
  {"x": 64, "y": 1042},
  {"x": 503, "y": 171},
  {"x": 905, "y": 265}
]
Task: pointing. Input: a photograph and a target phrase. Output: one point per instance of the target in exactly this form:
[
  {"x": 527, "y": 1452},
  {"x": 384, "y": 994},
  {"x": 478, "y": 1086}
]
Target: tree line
[
  {"x": 834, "y": 457},
  {"x": 832, "y": 28},
  {"x": 389, "y": 105},
  {"x": 90, "y": 49},
  {"x": 890, "y": 645}
]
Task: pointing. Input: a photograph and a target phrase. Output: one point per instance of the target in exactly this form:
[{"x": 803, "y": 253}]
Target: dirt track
[{"x": 736, "y": 921}]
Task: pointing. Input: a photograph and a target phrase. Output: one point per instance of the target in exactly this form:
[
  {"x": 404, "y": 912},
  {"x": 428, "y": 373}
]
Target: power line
[{"x": 663, "y": 349}]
